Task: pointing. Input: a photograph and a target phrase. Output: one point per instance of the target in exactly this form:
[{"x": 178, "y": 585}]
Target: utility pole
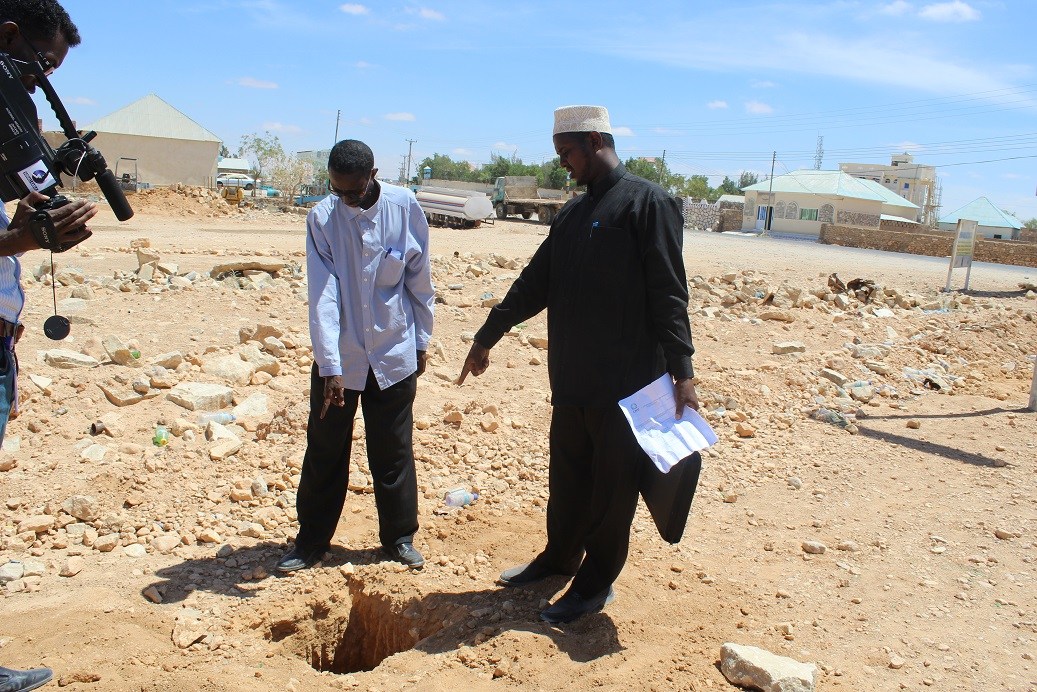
[
  {"x": 410, "y": 146},
  {"x": 662, "y": 167},
  {"x": 819, "y": 155},
  {"x": 770, "y": 196},
  {"x": 403, "y": 169},
  {"x": 337, "y": 118}
]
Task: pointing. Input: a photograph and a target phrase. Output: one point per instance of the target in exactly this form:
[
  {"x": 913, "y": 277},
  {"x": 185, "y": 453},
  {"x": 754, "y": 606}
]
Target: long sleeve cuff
[
  {"x": 329, "y": 370},
  {"x": 680, "y": 368}
]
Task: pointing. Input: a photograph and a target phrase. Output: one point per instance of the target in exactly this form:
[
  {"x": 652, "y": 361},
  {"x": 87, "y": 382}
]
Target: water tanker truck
[
  {"x": 519, "y": 195},
  {"x": 454, "y": 208}
]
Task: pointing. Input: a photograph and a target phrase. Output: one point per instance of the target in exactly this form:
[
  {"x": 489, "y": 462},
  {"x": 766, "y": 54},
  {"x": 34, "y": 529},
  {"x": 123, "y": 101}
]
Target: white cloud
[
  {"x": 362, "y": 65},
  {"x": 758, "y": 108},
  {"x": 282, "y": 127},
  {"x": 762, "y": 84},
  {"x": 461, "y": 151},
  {"x": 253, "y": 83},
  {"x": 366, "y": 121},
  {"x": 1011, "y": 176},
  {"x": 83, "y": 101},
  {"x": 404, "y": 117},
  {"x": 897, "y": 8},
  {"x": 908, "y": 146},
  {"x": 714, "y": 105},
  {"x": 622, "y": 131},
  {"x": 956, "y": 11},
  {"x": 665, "y": 131},
  {"x": 505, "y": 146},
  {"x": 354, "y": 8},
  {"x": 429, "y": 13}
]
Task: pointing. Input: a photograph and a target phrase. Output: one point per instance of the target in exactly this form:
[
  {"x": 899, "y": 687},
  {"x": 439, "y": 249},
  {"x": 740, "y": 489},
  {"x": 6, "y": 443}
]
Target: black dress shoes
[
  {"x": 299, "y": 558},
  {"x": 407, "y": 554},
  {"x": 24, "y": 680},
  {"x": 572, "y": 605},
  {"x": 535, "y": 571}
]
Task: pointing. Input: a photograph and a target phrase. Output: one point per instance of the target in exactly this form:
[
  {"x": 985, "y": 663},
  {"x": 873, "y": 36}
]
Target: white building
[
  {"x": 993, "y": 222},
  {"x": 803, "y": 200},
  {"x": 168, "y": 146},
  {"x": 912, "y": 181}
]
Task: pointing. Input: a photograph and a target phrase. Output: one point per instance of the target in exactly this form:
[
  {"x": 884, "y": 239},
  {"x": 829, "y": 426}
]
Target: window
[
  {"x": 761, "y": 214},
  {"x": 906, "y": 186},
  {"x": 808, "y": 214}
]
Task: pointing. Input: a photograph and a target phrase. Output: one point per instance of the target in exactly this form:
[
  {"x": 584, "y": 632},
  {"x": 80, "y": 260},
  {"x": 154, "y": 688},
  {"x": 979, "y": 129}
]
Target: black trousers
[
  {"x": 595, "y": 471},
  {"x": 389, "y": 421}
]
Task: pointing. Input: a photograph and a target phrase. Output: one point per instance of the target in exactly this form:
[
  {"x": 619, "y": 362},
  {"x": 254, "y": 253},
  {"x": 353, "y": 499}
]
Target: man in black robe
[{"x": 611, "y": 275}]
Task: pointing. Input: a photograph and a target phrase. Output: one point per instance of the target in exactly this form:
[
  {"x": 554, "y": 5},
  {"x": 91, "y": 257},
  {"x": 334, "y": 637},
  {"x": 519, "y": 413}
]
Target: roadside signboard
[{"x": 964, "y": 247}]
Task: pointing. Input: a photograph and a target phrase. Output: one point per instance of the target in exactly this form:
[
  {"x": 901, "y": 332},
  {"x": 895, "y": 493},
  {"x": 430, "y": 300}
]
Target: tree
[
  {"x": 263, "y": 151},
  {"x": 1031, "y": 224},
  {"x": 289, "y": 172},
  {"x": 746, "y": 179},
  {"x": 224, "y": 151},
  {"x": 728, "y": 187}
]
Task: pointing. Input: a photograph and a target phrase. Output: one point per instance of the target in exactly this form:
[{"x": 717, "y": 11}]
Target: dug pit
[{"x": 355, "y": 631}]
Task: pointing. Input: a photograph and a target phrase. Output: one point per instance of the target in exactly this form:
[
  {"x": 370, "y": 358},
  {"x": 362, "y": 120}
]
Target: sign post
[
  {"x": 1033, "y": 388},
  {"x": 964, "y": 247}
]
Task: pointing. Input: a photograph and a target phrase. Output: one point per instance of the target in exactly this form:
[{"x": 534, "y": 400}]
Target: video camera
[{"x": 27, "y": 161}]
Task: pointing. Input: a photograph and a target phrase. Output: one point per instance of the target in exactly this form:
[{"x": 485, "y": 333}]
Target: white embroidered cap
[{"x": 582, "y": 119}]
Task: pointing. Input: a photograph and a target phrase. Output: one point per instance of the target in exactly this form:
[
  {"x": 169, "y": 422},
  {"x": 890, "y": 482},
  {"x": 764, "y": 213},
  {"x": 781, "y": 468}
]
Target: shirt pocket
[{"x": 390, "y": 270}]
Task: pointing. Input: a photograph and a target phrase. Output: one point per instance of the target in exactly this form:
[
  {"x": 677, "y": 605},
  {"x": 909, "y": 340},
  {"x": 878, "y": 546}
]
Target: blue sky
[{"x": 717, "y": 86}]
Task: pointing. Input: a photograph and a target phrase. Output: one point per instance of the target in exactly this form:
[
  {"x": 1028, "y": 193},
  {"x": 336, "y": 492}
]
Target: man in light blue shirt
[{"x": 371, "y": 303}]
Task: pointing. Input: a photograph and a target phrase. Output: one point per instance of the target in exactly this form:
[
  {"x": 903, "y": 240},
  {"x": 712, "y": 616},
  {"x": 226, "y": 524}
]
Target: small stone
[
  {"x": 65, "y": 359},
  {"x": 152, "y": 594},
  {"x": 36, "y": 524},
  {"x": 11, "y": 571},
  {"x": 785, "y": 347},
  {"x": 914, "y": 424},
  {"x": 745, "y": 430},
  {"x": 72, "y": 566},
  {"x": 82, "y": 507},
  {"x": 135, "y": 551},
  {"x": 165, "y": 544},
  {"x": 106, "y": 543},
  {"x": 758, "y": 669},
  {"x": 814, "y": 547}
]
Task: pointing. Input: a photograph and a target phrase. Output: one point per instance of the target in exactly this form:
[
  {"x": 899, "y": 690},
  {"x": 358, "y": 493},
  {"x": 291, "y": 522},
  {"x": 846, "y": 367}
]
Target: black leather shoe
[
  {"x": 407, "y": 554},
  {"x": 572, "y": 605},
  {"x": 299, "y": 559},
  {"x": 24, "y": 680},
  {"x": 534, "y": 571}
]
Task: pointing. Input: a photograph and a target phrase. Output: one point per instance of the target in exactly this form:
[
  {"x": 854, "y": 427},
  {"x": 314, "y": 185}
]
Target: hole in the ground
[{"x": 355, "y": 633}]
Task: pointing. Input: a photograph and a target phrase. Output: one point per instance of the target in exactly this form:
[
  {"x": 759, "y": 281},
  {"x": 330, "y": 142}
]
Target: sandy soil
[{"x": 924, "y": 502}]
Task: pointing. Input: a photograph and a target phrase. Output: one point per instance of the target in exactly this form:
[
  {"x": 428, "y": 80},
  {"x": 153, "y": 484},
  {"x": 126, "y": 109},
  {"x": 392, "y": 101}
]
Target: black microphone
[{"x": 114, "y": 194}]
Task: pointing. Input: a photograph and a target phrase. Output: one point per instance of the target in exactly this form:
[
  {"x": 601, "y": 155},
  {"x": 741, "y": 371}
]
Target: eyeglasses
[
  {"x": 46, "y": 64},
  {"x": 349, "y": 195}
]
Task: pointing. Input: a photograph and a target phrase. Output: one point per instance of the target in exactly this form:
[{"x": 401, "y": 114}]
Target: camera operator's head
[{"x": 37, "y": 33}]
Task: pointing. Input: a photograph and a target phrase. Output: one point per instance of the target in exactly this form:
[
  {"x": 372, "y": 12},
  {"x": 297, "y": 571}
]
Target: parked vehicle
[
  {"x": 235, "y": 180},
  {"x": 519, "y": 195},
  {"x": 453, "y": 208}
]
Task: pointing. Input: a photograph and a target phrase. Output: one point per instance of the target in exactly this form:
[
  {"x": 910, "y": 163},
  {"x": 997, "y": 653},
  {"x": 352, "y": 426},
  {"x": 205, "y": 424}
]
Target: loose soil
[{"x": 926, "y": 502}]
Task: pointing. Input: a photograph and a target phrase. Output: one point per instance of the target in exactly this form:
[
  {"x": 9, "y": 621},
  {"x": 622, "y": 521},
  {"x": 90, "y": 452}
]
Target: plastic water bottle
[
  {"x": 221, "y": 417},
  {"x": 161, "y": 438},
  {"x": 459, "y": 497}
]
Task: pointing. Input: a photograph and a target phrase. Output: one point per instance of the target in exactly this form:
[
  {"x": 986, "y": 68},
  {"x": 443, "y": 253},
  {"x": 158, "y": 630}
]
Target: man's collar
[{"x": 601, "y": 187}]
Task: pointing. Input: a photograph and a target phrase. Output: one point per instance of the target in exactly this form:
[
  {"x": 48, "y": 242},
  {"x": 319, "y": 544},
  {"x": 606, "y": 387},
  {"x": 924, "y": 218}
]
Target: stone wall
[
  {"x": 730, "y": 219},
  {"x": 701, "y": 216},
  {"x": 1028, "y": 234},
  {"x": 903, "y": 226},
  {"x": 931, "y": 243}
]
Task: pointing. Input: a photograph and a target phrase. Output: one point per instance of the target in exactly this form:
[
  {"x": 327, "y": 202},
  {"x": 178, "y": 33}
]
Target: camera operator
[{"x": 37, "y": 34}]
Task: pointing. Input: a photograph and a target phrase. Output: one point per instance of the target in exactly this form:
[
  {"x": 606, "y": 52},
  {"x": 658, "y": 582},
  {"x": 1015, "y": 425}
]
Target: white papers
[{"x": 651, "y": 413}]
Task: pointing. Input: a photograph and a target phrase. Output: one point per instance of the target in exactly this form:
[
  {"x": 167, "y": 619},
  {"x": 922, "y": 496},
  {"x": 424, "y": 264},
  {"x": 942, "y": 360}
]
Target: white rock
[
  {"x": 11, "y": 571},
  {"x": 135, "y": 550},
  {"x": 94, "y": 452},
  {"x": 783, "y": 347},
  {"x": 201, "y": 396},
  {"x": 230, "y": 368},
  {"x": 82, "y": 507},
  {"x": 65, "y": 359},
  {"x": 254, "y": 406},
  {"x": 759, "y": 669}
]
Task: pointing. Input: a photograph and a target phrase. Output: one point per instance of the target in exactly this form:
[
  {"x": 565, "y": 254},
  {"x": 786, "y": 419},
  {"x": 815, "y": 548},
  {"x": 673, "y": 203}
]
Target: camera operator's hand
[{"x": 69, "y": 224}]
